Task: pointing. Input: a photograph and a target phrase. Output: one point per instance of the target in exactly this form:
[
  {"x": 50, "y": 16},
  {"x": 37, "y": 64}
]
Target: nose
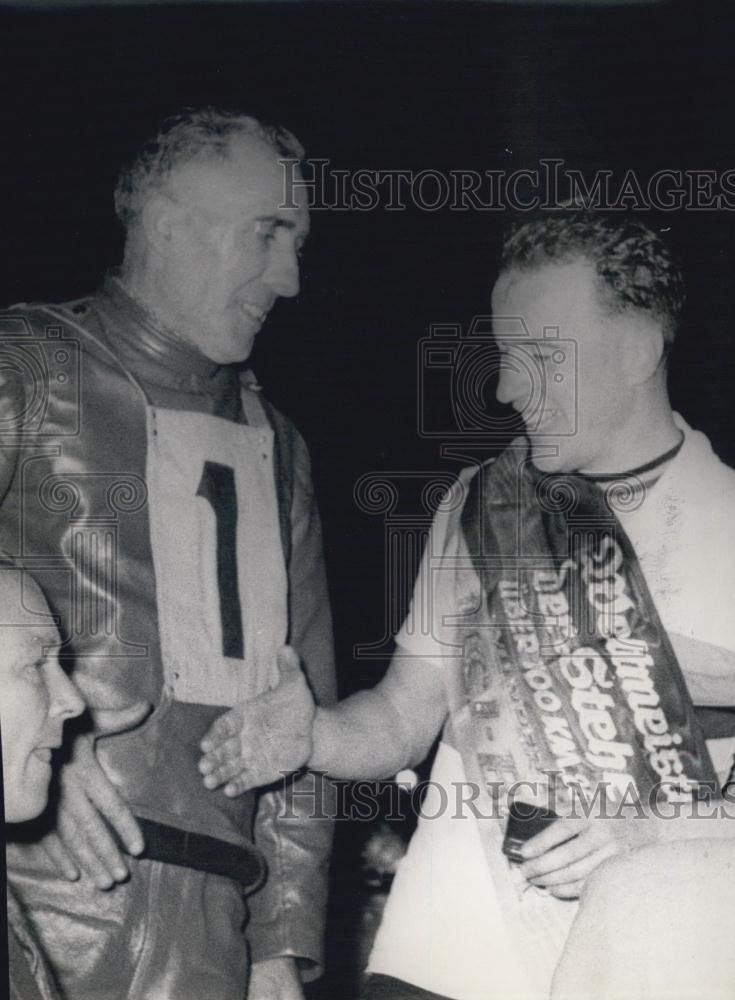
[
  {"x": 66, "y": 701},
  {"x": 282, "y": 273}
]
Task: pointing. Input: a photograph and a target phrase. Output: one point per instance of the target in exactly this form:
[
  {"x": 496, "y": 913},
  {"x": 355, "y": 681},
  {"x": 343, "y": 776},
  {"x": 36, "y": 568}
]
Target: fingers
[
  {"x": 84, "y": 835},
  {"x": 556, "y": 833},
  {"x": 244, "y": 782},
  {"x": 222, "y": 763},
  {"x": 288, "y": 662},
  {"x": 103, "y": 794},
  {"x": 89, "y": 801},
  {"x": 576, "y": 871},
  {"x": 60, "y": 857},
  {"x": 559, "y": 857},
  {"x": 224, "y": 752},
  {"x": 224, "y": 772},
  {"x": 571, "y": 890},
  {"x": 240, "y": 778},
  {"x": 223, "y": 728}
]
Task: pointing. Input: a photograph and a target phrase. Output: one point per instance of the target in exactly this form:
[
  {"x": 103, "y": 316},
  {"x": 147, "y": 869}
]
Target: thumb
[
  {"x": 289, "y": 666},
  {"x": 117, "y": 720}
]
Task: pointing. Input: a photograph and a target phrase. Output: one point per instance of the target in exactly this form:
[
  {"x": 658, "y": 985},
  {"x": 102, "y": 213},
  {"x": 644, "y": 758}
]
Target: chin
[
  {"x": 233, "y": 354},
  {"x": 552, "y": 455},
  {"x": 546, "y": 462},
  {"x": 237, "y": 349}
]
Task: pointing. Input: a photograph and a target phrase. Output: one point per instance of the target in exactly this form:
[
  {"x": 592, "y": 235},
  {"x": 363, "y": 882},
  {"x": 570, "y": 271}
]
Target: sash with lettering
[{"x": 568, "y": 681}]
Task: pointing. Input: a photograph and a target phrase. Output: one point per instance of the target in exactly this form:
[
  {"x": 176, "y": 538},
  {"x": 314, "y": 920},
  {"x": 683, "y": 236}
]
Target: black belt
[{"x": 205, "y": 854}]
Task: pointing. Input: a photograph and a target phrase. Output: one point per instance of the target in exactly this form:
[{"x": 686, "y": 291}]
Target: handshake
[{"x": 259, "y": 741}]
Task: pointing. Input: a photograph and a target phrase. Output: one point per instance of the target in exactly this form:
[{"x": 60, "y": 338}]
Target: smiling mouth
[{"x": 253, "y": 312}]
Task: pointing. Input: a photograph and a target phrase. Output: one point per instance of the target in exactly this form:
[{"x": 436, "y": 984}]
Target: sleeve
[
  {"x": 293, "y": 828},
  {"x": 429, "y": 630},
  {"x": 14, "y": 417}
]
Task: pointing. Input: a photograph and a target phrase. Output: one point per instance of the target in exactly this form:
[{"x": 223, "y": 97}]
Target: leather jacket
[
  {"x": 28, "y": 977},
  {"x": 81, "y": 386}
]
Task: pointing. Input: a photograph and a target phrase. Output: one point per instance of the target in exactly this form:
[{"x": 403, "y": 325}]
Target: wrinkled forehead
[
  {"x": 27, "y": 626},
  {"x": 22, "y": 602},
  {"x": 251, "y": 179}
]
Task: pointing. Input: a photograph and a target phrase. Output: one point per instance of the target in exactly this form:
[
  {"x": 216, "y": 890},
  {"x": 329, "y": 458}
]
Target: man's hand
[
  {"x": 275, "y": 979},
  {"x": 82, "y": 841},
  {"x": 562, "y": 856},
  {"x": 259, "y": 740}
]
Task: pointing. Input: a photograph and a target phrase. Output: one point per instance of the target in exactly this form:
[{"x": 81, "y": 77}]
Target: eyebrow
[
  {"x": 512, "y": 341},
  {"x": 276, "y": 220}
]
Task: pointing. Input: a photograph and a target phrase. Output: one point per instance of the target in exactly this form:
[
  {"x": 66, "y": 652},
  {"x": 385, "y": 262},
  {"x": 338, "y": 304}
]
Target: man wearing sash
[
  {"x": 579, "y": 645},
  {"x": 167, "y": 510}
]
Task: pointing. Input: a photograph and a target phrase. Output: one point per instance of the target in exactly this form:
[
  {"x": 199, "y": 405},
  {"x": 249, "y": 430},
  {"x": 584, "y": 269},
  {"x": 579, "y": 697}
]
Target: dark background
[{"x": 383, "y": 86}]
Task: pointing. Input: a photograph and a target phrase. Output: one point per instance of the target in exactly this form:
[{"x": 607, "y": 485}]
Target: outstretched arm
[{"x": 373, "y": 734}]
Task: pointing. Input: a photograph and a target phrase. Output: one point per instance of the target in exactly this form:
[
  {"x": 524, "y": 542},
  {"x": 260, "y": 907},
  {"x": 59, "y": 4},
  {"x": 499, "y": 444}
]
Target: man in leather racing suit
[{"x": 167, "y": 510}]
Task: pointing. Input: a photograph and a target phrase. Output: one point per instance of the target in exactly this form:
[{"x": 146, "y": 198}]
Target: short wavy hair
[
  {"x": 183, "y": 137},
  {"x": 636, "y": 268}
]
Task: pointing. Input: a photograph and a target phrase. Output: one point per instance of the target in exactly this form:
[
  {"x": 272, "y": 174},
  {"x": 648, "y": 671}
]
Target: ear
[
  {"x": 161, "y": 217},
  {"x": 644, "y": 350}
]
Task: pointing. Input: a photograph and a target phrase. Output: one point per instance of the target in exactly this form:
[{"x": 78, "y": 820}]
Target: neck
[
  {"x": 144, "y": 275},
  {"x": 141, "y": 289},
  {"x": 141, "y": 282},
  {"x": 649, "y": 432}
]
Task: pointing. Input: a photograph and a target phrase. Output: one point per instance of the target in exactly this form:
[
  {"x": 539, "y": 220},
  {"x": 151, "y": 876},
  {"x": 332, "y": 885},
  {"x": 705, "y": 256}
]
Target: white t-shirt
[{"x": 443, "y": 928}]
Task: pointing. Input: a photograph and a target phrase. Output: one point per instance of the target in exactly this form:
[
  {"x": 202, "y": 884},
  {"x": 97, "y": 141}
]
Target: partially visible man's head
[
  {"x": 614, "y": 291},
  {"x": 36, "y": 696},
  {"x": 636, "y": 269},
  {"x": 214, "y": 234}
]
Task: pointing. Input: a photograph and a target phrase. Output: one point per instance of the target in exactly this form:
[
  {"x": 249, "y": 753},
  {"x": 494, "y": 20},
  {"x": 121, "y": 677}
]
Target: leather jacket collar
[{"x": 155, "y": 353}]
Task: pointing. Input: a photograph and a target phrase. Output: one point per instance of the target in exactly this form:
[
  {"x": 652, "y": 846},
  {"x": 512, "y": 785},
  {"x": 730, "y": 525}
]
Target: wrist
[{"x": 319, "y": 759}]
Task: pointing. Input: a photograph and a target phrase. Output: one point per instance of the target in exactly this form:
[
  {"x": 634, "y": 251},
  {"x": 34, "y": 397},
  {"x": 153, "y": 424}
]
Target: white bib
[{"x": 220, "y": 577}]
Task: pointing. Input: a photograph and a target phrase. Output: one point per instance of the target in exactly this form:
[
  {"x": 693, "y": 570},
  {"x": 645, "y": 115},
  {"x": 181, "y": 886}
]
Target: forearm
[
  {"x": 365, "y": 736},
  {"x": 375, "y": 733}
]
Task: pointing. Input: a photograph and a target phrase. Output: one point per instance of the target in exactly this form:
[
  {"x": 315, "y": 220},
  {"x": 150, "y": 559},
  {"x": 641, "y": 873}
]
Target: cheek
[
  {"x": 197, "y": 271},
  {"x": 604, "y": 399},
  {"x": 23, "y": 719},
  {"x": 217, "y": 289},
  {"x": 16, "y": 753},
  {"x": 25, "y": 791},
  {"x": 26, "y": 777}
]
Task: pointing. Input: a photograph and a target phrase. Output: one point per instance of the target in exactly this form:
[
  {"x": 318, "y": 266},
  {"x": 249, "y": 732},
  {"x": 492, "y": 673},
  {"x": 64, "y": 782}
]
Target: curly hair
[
  {"x": 181, "y": 138},
  {"x": 636, "y": 268}
]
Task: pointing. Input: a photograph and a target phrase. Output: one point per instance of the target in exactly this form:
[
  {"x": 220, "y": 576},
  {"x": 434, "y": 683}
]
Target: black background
[{"x": 382, "y": 86}]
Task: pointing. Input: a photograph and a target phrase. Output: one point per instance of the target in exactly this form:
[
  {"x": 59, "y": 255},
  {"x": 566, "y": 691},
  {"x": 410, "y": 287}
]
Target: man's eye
[
  {"x": 539, "y": 354},
  {"x": 520, "y": 353},
  {"x": 265, "y": 230},
  {"x": 32, "y": 672}
]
